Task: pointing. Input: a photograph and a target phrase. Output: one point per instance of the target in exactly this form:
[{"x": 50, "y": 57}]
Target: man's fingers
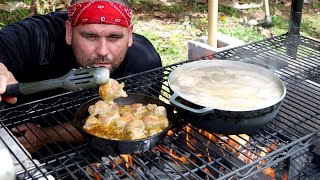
[
  {"x": 19, "y": 128},
  {"x": 26, "y": 144},
  {"x": 3, "y": 82},
  {"x": 11, "y": 100},
  {"x": 22, "y": 140}
]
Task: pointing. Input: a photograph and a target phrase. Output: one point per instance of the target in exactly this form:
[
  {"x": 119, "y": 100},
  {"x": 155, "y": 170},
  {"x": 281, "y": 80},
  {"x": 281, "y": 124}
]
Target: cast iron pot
[
  {"x": 219, "y": 120},
  {"x": 108, "y": 146}
]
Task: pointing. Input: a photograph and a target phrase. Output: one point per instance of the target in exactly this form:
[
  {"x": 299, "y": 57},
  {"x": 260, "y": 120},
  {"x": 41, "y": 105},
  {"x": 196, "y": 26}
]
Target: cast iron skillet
[{"x": 108, "y": 146}]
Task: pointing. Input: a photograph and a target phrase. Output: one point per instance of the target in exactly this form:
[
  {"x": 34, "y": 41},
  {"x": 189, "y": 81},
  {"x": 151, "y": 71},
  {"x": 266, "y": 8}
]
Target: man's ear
[
  {"x": 68, "y": 32},
  {"x": 130, "y": 29}
]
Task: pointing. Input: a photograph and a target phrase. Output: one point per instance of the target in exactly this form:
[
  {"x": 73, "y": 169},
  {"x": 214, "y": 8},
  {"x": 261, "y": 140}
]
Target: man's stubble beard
[{"x": 115, "y": 63}]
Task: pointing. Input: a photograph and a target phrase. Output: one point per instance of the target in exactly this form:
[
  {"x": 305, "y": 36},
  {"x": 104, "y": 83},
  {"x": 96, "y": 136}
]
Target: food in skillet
[
  {"x": 110, "y": 120},
  {"x": 112, "y": 90},
  {"x": 228, "y": 89}
]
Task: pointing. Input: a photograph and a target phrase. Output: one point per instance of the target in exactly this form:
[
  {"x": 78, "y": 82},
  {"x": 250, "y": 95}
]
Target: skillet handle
[{"x": 196, "y": 111}]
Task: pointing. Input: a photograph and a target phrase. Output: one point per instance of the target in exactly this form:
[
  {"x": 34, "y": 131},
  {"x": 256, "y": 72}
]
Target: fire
[
  {"x": 176, "y": 156},
  {"x": 124, "y": 158},
  {"x": 270, "y": 172},
  {"x": 170, "y": 133},
  {"x": 236, "y": 144},
  {"x": 180, "y": 159},
  {"x": 128, "y": 159},
  {"x": 189, "y": 139}
]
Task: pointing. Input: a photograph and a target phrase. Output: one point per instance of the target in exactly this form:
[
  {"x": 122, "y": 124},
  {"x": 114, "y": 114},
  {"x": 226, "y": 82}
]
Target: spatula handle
[
  {"x": 12, "y": 90},
  {"x": 32, "y": 87}
]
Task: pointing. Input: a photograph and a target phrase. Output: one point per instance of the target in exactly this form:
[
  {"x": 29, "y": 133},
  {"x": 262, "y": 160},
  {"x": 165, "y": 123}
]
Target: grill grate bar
[
  {"x": 55, "y": 143},
  {"x": 98, "y": 159},
  {"x": 200, "y": 151},
  {"x": 278, "y": 156},
  {"x": 45, "y": 146},
  {"x": 24, "y": 169}
]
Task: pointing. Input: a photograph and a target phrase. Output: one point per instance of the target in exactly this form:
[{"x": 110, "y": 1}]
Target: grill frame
[{"x": 300, "y": 112}]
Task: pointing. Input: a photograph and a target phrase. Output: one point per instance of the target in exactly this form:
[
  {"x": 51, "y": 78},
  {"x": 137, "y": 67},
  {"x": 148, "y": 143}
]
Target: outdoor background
[{"x": 170, "y": 24}]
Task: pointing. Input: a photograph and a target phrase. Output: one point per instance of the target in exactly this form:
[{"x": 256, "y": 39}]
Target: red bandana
[{"x": 99, "y": 12}]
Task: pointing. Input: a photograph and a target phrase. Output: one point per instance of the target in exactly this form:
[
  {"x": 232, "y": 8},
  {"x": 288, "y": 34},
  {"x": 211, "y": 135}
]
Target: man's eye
[
  {"x": 91, "y": 37},
  {"x": 114, "y": 37}
]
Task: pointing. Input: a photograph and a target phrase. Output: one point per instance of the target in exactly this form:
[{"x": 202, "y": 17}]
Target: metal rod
[
  {"x": 294, "y": 28},
  {"x": 295, "y": 17}
]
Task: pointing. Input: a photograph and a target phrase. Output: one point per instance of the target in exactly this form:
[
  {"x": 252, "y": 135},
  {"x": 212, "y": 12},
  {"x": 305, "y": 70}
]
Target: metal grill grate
[{"x": 285, "y": 142}]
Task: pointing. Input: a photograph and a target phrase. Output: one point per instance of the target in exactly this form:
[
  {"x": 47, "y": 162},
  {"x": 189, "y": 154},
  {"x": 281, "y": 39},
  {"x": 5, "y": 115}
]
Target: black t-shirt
[{"x": 35, "y": 49}]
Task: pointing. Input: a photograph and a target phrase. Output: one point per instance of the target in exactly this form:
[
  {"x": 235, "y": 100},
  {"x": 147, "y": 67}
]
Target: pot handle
[{"x": 196, "y": 111}]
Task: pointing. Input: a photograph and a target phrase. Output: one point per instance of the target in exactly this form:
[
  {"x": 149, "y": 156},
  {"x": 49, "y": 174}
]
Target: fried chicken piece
[
  {"x": 136, "y": 134},
  {"x": 102, "y": 107},
  {"x": 126, "y": 116},
  {"x": 120, "y": 125},
  {"x": 139, "y": 109},
  {"x": 135, "y": 129},
  {"x": 154, "y": 131},
  {"x": 112, "y": 90},
  {"x": 136, "y": 106},
  {"x": 91, "y": 121},
  {"x": 107, "y": 119},
  {"x": 151, "y": 107},
  {"x": 160, "y": 111},
  {"x": 152, "y": 122}
]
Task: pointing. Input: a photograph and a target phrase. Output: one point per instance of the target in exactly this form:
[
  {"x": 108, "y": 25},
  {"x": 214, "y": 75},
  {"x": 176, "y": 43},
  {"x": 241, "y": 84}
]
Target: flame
[
  {"x": 286, "y": 176},
  {"x": 176, "y": 156},
  {"x": 209, "y": 136},
  {"x": 124, "y": 158},
  {"x": 270, "y": 172},
  {"x": 170, "y": 133},
  {"x": 188, "y": 138},
  {"x": 206, "y": 170},
  {"x": 128, "y": 159},
  {"x": 236, "y": 144}
]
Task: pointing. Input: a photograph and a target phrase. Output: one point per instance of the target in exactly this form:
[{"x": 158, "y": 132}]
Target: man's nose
[{"x": 103, "y": 47}]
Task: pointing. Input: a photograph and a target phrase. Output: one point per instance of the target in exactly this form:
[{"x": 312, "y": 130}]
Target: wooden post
[{"x": 212, "y": 22}]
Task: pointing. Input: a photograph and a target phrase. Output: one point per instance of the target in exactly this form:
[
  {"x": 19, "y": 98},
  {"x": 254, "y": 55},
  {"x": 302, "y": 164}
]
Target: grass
[{"x": 168, "y": 45}]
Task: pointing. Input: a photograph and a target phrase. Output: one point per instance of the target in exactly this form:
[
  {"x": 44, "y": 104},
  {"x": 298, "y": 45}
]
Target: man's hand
[
  {"x": 35, "y": 137},
  {"x": 6, "y": 78}
]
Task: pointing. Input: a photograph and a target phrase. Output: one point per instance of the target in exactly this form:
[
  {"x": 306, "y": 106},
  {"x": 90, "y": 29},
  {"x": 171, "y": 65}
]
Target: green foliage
[
  {"x": 10, "y": 17},
  {"x": 196, "y": 7},
  {"x": 315, "y": 4},
  {"x": 247, "y": 34},
  {"x": 310, "y": 27},
  {"x": 229, "y": 11},
  {"x": 174, "y": 8},
  {"x": 280, "y": 22},
  {"x": 169, "y": 46}
]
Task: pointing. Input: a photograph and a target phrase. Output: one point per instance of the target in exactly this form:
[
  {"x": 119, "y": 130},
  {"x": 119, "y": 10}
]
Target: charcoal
[{"x": 297, "y": 163}]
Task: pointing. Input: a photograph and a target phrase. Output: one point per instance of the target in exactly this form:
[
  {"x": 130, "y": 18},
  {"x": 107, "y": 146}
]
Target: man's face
[{"x": 99, "y": 44}]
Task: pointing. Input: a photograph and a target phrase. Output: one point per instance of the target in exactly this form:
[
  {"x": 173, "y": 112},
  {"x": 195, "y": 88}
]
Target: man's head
[{"x": 100, "y": 32}]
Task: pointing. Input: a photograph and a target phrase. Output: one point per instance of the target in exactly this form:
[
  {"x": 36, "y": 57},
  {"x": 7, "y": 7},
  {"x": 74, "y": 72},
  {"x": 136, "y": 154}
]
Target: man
[{"x": 94, "y": 33}]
